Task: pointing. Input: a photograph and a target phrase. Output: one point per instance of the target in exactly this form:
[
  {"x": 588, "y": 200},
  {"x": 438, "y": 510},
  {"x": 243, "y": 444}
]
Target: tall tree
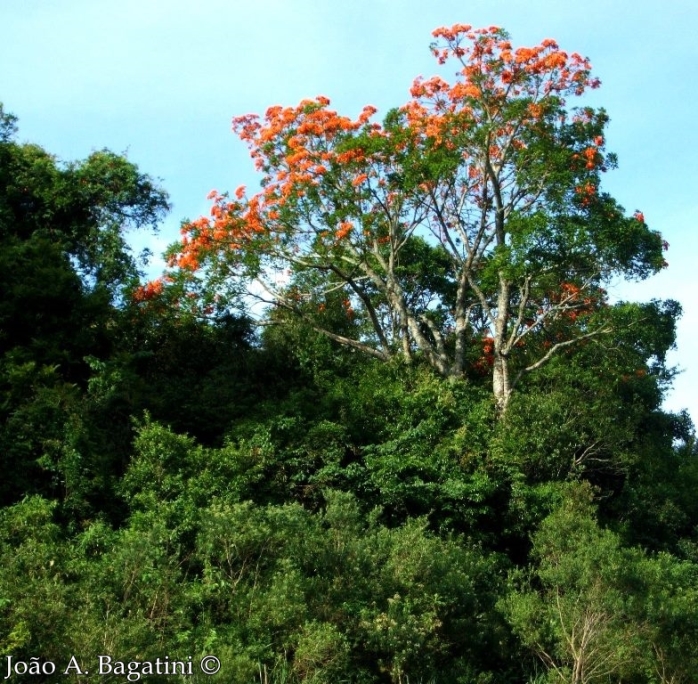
[{"x": 472, "y": 216}]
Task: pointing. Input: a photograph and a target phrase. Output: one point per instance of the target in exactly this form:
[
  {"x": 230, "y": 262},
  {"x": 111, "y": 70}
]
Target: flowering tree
[{"x": 469, "y": 228}]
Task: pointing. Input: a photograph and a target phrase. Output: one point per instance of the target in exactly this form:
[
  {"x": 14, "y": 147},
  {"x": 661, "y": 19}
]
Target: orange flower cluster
[
  {"x": 148, "y": 292},
  {"x": 483, "y": 365},
  {"x": 492, "y": 79},
  {"x": 348, "y": 310},
  {"x": 345, "y": 227},
  {"x": 574, "y": 302},
  {"x": 296, "y": 147},
  {"x": 491, "y": 73},
  {"x": 590, "y": 157},
  {"x": 570, "y": 289},
  {"x": 587, "y": 192}
]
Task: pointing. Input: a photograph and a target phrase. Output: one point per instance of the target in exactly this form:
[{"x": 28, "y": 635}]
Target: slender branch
[
  {"x": 556, "y": 347},
  {"x": 342, "y": 339}
]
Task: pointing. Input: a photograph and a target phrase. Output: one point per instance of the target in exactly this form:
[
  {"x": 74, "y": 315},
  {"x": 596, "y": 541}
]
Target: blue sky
[{"x": 161, "y": 80}]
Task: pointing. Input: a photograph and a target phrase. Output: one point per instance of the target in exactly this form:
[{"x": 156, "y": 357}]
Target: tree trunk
[{"x": 500, "y": 383}]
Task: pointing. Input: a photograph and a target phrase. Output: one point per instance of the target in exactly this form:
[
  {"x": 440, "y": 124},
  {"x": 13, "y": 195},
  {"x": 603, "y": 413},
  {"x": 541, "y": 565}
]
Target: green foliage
[
  {"x": 8, "y": 125},
  {"x": 82, "y": 208},
  {"x": 34, "y": 598},
  {"x": 592, "y": 609},
  {"x": 343, "y": 589},
  {"x": 64, "y": 268}
]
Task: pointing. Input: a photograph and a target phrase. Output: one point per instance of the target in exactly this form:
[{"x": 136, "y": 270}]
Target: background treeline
[{"x": 175, "y": 484}]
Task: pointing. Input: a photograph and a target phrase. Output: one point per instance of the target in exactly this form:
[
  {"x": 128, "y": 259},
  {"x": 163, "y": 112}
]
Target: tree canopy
[{"x": 469, "y": 228}]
